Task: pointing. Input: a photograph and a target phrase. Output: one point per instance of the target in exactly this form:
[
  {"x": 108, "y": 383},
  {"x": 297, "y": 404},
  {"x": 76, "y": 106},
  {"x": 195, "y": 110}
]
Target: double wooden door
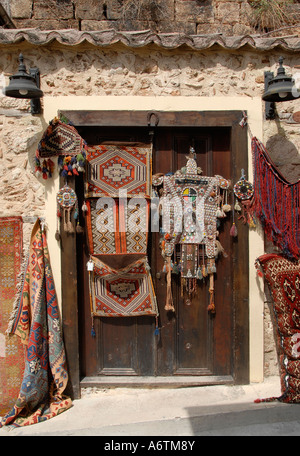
[{"x": 191, "y": 342}]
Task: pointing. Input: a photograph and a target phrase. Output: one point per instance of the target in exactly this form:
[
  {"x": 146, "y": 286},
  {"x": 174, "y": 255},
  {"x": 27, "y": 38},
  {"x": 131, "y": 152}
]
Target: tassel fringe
[
  {"x": 169, "y": 299},
  {"x": 233, "y": 230},
  {"x": 276, "y": 203}
]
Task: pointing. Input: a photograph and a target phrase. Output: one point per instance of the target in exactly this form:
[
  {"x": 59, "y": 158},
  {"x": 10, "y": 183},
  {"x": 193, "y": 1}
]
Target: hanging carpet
[
  {"x": 125, "y": 292},
  {"x": 118, "y": 189},
  {"x": 36, "y": 321},
  {"x": 283, "y": 278},
  {"x": 115, "y": 226},
  {"x": 276, "y": 203},
  {"x": 63, "y": 140},
  {"x": 112, "y": 168},
  {"x": 11, "y": 349}
]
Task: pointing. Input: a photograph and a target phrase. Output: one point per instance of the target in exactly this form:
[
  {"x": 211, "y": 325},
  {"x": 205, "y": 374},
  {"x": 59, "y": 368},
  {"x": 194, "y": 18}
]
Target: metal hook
[{"x": 149, "y": 116}]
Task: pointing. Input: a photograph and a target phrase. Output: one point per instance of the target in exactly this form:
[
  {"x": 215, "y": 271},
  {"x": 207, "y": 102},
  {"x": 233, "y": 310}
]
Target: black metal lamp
[
  {"x": 277, "y": 89},
  {"x": 25, "y": 85}
]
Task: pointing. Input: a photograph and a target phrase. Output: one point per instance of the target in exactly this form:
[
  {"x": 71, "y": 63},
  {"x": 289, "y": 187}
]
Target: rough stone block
[
  {"x": 241, "y": 29},
  {"x": 189, "y": 28},
  {"x": 228, "y": 13},
  {"x": 90, "y": 9},
  {"x": 47, "y": 25},
  {"x": 52, "y": 9},
  {"x": 246, "y": 14},
  {"x": 93, "y": 26},
  {"x": 113, "y": 10},
  {"x": 178, "y": 27},
  {"x": 194, "y": 11},
  {"x": 21, "y": 9},
  {"x": 147, "y": 10},
  {"x": 207, "y": 29}
]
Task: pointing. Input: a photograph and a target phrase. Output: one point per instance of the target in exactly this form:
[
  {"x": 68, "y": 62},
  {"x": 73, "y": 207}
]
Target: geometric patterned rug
[
  {"x": 11, "y": 348},
  {"x": 126, "y": 292},
  {"x": 283, "y": 277},
  {"x": 36, "y": 321},
  {"x": 60, "y": 138},
  {"x": 121, "y": 228},
  {"x": 112, "y": 168}
]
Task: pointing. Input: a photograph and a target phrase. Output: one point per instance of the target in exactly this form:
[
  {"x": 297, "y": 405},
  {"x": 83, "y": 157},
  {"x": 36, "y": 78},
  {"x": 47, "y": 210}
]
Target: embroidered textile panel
[
  {"x": 127, "y": 292},
  {"x": 60, "y": 139},
  {"x": 12, "y": 359},
  {"x": 113, "y": 168},
  {"x": 117, "y": 226},
  {"x": 283, "y": 278},
  {"x": 192, "y": 204}
]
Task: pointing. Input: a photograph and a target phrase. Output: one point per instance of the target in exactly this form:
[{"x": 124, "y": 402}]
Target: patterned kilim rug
[
  {"x": 119, "y": 228},
  {"x": 124, "y": 292},
  {"x": 283, "y": 278},
  {"x": 11, "y": 349},
  {"x": 113, "y": 168},
  {"x": 36, "y": 321}
]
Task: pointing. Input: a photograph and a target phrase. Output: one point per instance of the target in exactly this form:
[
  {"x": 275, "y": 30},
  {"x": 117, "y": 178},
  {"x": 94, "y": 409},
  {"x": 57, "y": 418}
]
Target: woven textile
[
  {"x": 276, "y": 203},
  {"x": 11, "y": 349},
  {"x": 283, "y": 278},
  {"x": 36, "y": 322},
  {"x": 113, "y": 168},
  {"x": 127, "y": 292},
  {"x": 63, "y": 140},
  {"x": 60, "y": 138},
  {"x": 116, "y": 226},
  {"x": 199, "y": 195}
]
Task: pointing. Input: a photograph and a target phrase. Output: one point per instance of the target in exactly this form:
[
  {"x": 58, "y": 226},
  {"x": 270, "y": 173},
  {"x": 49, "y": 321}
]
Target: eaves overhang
[{"x": 140, "y": 39}]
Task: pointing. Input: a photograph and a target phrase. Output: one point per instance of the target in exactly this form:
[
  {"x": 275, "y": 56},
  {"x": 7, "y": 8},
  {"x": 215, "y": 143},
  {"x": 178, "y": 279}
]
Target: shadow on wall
[{"x": 285, "y": 157}]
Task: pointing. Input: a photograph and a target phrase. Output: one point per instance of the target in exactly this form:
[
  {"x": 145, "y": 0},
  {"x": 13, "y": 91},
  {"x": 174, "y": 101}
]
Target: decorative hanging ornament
[
  {"x": 190, "y": 205},
  {"x": 66, "y": 199},
  {"x": 243, "y": 189},
  {"x": 244, "y": 192}
]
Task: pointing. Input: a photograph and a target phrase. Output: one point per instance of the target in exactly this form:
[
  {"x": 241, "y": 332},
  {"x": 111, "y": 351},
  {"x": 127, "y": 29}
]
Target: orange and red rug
[
  {"x": 11, "y": 349},
  {"x": 37, "y": 323}
]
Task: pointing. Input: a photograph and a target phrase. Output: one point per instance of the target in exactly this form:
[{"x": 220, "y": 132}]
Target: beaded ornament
[
  {"x": 191, "y": 205},
  {"x": 67, "y": 201}
]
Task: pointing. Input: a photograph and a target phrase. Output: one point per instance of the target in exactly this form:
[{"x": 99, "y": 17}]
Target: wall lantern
[
  {"x": 277, "y": 89},
  {"x": 25, "y": 85}
]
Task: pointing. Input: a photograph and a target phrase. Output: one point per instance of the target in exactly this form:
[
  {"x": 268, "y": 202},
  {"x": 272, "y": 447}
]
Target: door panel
[
  {"x": 191, "y": 341},
  {"x": 188, "y": 336}
]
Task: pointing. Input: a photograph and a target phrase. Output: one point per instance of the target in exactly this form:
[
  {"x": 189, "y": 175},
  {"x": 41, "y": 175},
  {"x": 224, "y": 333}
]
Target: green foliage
[{"x": 271, "y": 14}]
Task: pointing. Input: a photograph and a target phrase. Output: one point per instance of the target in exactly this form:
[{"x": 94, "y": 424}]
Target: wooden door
[
  {"x": 191, "y": 341},
  {"x": 192, "y": 345}
]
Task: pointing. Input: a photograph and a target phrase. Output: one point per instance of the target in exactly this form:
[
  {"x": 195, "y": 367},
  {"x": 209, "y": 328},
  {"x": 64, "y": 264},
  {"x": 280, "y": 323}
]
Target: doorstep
[{"x": 154, "y": 382}]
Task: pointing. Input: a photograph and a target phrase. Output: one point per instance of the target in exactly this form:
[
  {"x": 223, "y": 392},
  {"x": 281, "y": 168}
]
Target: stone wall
[
  {"x": 228, "y": 17},
  {"x": 20, "y": 193}
]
